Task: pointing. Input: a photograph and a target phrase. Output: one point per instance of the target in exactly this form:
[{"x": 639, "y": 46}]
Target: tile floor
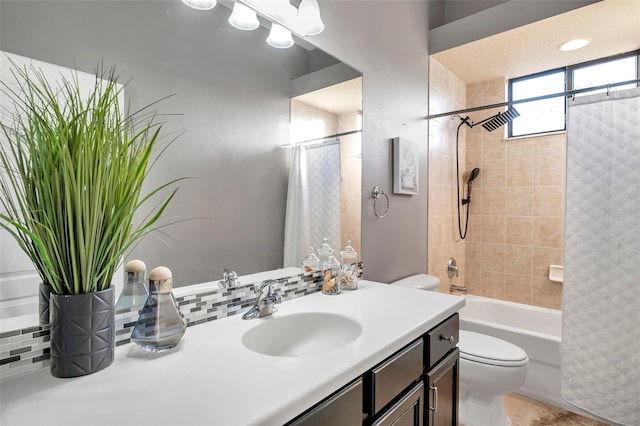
[{"x": 525, "y": 411}]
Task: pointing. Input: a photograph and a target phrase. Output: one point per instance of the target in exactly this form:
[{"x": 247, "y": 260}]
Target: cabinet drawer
[
  {"x": 442, "y": 339},
  {"x": 343, "y": 408},
  {"x": 396, "y": 374}
]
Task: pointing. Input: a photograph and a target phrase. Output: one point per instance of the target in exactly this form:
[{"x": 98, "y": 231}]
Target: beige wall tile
[
  {"x": 519, "y": 148},
  {"x": 493, "y": 201},
  {"x": 518, "y": 288},
  {"x": 515, "y": 221},
  {"x": 542, "y": 258},
  {"x": 476, "y": 207},
  {"x": 474, "y": 95},
  {"x": 548, "y": 201},
  {"x": 519, "y": 230},
  {"x": 493, "y": 91},
  {"x": 519, "y": 201},
  {"x": 547, "y": 293},
  {"x": 520, "y": 172},
  {"x": 437, "y": 137},
  {"x": 552, "y": 145},
  {"x": 493, "y": 284},
  {"x": 473, "y": 150},
  {"x": 547, "y": 231},
  {"x": 493, "y": 148},
  {"x": 473, "y": 281},
  {"x": 493, "y": 257},
  {"x": 493, "y": 229},
  {"x": 549, "y": 171},
  {"x": 519, "y": 260},
  {"x": 474, "y": 232},
  {"x": 493, "y": 174},
  {"x": 473, "y": 256}
]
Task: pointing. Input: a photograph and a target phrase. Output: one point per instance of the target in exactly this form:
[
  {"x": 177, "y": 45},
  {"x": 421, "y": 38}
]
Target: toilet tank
[{"x": 420, "y": 281}]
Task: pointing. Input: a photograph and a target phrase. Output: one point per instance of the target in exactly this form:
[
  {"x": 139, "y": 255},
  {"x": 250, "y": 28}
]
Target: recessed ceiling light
[{"x": 575, "y": 44}]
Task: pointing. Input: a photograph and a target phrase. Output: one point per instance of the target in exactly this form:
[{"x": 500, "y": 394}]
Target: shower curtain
[
  {"x": 600, "y": 361},
  {"x": 313, "y": 201}
]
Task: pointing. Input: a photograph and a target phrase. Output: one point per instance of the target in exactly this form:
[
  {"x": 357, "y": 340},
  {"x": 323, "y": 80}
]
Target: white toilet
[{"x": 489, "y": 368}]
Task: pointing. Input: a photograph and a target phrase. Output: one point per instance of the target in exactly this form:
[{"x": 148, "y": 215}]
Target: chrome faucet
[
  {"x": 229, "y": 279},
  {"x": 264, "y": 303}
]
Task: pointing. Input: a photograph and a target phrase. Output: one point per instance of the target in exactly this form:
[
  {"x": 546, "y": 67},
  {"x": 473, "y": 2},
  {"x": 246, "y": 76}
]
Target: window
[
  {"x": 538, "y": 116},
  {"x": 548, "y": 115},
  {"x": 603, "y": 73}
]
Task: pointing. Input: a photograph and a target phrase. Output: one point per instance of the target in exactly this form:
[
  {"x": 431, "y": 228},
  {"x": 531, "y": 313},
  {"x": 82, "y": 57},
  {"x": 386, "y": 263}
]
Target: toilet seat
[{"x": 490, "y": 350}]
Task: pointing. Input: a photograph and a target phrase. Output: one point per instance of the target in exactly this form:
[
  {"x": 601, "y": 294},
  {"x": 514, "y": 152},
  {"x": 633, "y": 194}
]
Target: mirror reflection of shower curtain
[
  {"x": 600, "y": 363},
  {"x": 313, "y": 201}
]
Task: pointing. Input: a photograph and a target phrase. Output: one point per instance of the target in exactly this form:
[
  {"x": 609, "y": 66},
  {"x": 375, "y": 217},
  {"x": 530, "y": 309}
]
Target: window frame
[
  {"x": 531, "y": 77},
  {"x": 568, "y": 84}
]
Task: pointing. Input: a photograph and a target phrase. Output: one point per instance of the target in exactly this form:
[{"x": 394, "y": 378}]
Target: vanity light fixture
[
  {"x": 201, "y": 4},
  {"x": 575, "y": 44},
  {"x": 279, "y": 37},
  {"x": 243, "y": 17},
  {"x": 309, "y": 14},
  {"x": 286, "y": 19}
]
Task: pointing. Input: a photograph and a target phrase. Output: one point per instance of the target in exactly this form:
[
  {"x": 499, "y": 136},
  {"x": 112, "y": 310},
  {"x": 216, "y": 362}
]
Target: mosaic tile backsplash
[{"x": 26, "y": 350}]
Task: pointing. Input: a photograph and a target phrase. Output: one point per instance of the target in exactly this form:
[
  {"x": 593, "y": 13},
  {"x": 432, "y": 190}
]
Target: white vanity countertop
[{"x": 211, "y": 378}]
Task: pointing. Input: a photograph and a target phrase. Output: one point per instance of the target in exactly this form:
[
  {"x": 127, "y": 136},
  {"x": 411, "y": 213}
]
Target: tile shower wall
[
  {"x": 516, "y": 220},
  {"x": 446, "y": 93},
  {"x": 26, "y": 350}
]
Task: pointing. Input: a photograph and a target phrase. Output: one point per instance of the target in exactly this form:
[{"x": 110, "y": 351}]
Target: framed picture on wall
[{"x": 405, "y": 167}]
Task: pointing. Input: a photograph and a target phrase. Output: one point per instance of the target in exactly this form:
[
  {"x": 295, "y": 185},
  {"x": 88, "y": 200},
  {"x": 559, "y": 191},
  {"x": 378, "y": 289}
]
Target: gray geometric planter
[
  {"x": 43, "y": 303},
  {"x": 82, "y": 333}
]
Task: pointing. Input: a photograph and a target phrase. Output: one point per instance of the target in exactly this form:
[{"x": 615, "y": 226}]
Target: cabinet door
[
  {"x": 343, "y": 408},
  {"x": 442, "y": 401},
  {"x": 406, "y": 412}
]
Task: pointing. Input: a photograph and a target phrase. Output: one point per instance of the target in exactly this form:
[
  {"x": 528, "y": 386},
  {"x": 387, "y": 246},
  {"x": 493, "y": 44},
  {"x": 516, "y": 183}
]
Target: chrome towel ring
[{"x": 376, "y": 193}]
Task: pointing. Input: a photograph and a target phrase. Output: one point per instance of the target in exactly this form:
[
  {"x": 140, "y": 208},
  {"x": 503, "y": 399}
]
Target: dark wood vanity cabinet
[
  {"x": 441, "y": 373},
  {"x": 416, "y": 386}
]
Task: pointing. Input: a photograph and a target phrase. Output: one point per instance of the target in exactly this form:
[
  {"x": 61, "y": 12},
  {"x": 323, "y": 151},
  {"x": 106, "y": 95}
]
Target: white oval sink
[{"x": 299, "y": 335}]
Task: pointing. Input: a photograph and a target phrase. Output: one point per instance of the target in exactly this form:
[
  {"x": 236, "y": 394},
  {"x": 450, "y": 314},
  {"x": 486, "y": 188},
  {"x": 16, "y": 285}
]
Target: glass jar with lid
[
  {"x": 311, "y": 262},
  {"x": 331, "y": 272},
  {"x": 325, "y": 250},
  {"x": 349, "y": 268}
]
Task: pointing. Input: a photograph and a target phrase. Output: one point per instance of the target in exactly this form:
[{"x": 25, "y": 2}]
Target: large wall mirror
[{"x": 231, "y": 109}]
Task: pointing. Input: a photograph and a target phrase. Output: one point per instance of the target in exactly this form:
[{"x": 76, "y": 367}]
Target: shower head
[
  {"x": 473, "y": 175},
  {"x": 500, "y": 119}
]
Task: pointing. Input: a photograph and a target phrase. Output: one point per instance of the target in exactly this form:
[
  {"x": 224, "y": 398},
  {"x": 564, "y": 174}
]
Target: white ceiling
[
  {"x": 612, "y": 25},
  {"x": 338, "y": 99}
]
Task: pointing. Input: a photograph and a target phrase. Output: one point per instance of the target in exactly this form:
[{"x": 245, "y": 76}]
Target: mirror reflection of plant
[{"x": 72, "y": 168}]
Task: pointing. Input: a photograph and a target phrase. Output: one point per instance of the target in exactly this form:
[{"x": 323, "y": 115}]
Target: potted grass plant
[{"x": 72, "y": 167}]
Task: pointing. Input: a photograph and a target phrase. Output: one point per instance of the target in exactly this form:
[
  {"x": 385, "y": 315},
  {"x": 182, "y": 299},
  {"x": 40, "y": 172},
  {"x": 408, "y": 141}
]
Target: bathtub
[{"x": 536, "y": 330}]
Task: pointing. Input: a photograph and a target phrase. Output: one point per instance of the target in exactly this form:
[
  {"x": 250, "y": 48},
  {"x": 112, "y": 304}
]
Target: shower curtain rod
[
  {"x": 536, "y": 98},
  {"x": 325, "y": 138}
]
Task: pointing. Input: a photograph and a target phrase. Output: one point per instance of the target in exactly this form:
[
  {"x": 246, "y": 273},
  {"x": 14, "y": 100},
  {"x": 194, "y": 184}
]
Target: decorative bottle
[
  {"x": 311, "y": 262},
  {"x": 134, "y": 293},
  {"x": 349, "y": 262},
  {"x": 331, "y": 276},
  {"x": 161, "y": 324}
]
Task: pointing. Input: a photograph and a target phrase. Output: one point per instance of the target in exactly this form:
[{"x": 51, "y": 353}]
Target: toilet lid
[{"x": 490, "y": 350}]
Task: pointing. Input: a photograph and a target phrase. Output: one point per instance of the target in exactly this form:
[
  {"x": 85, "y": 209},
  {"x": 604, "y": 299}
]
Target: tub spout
[{"x": 456, "y": 289}]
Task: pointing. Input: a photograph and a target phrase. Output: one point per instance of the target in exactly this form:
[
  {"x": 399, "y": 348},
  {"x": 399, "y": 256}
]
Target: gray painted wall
[
  {"x": 166, "y": 53},
  {"x": 387, "y": 41}
]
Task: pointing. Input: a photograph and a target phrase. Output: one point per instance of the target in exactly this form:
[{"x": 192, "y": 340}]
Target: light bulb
[
  {"x": 279, "y": 37},
  {"x": 309, "y": 14},
  {"x": 201, "y": 4},
  {"x": 243, "y": 17}
]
